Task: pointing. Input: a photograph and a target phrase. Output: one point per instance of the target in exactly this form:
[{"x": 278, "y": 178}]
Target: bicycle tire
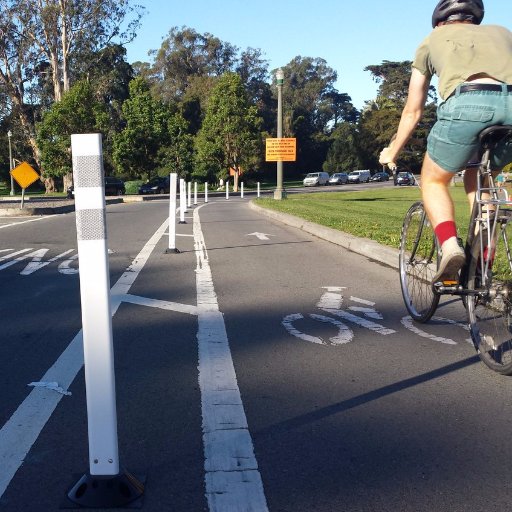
[
  {"x": 490, "y": 310},
  {"x": 418, "y": 264}
]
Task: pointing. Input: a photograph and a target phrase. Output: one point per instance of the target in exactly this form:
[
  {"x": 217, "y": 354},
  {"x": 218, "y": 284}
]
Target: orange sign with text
[
  {"x": 24, "y": 175},
  {"x": 281, "y": 150}
]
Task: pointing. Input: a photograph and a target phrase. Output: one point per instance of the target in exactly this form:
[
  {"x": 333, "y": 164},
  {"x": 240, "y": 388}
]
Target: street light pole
[
  {"x": 9, "y": 135},
  {"x": 279, "y": 192}
]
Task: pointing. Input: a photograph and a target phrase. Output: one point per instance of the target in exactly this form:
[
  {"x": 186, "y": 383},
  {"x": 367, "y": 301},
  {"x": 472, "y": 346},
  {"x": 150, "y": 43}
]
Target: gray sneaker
[{"x": 451, "y": 262}]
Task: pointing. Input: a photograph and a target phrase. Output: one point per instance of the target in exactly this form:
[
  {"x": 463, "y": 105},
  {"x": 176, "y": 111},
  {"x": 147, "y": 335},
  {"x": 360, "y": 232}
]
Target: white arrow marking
[{"x": 260, "y": 236}]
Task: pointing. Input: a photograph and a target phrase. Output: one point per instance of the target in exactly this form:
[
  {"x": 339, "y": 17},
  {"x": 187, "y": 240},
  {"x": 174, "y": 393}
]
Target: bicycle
[{"x": 485, "y": 281}]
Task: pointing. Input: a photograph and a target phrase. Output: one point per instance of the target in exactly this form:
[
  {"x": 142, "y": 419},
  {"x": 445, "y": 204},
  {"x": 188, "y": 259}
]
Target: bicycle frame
[{"x": 487, "y": 219}]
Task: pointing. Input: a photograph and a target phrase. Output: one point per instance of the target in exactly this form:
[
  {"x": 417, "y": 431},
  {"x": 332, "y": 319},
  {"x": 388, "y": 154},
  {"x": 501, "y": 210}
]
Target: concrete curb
[{"x": 364, "y": 246}]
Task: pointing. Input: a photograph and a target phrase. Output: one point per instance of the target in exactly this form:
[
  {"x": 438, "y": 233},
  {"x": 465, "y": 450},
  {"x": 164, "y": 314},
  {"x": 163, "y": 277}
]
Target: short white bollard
[
  {"x": 242, "y": 190},
  {"x": 258, "y": 189},
  {"x": 227, "y": 189},
  {"x": 173, "y": 180},
  {"x": 205, "y": 191},
  {"x": 183, "y": 201},
  {"x": 189, "y": 196},
  {"x": 195, "y": 193},
  {"x": 103, "y": 486}
]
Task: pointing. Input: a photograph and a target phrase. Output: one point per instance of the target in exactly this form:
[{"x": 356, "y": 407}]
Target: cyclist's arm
[{"x": 411, "y": 115}]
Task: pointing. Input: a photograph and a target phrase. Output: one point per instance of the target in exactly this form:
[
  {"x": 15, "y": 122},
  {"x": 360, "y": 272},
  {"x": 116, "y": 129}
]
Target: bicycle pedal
[{"x": 442, "y": 287}]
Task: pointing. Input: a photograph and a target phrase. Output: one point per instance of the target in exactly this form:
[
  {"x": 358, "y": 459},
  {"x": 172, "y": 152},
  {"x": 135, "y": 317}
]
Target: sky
[{"x": 348, "y": 34}]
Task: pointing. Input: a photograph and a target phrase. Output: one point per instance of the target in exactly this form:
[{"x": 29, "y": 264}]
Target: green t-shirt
[{"x": 457, "y": 51}]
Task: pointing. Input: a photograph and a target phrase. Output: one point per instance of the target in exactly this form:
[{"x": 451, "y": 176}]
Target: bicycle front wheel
[
  {"x": 418, "y": 264},
  {"x": 489, "y": 307}
]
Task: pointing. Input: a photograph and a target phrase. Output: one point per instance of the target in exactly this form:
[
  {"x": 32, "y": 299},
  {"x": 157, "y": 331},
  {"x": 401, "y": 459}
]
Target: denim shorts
[{"x": 453, "y": 140}]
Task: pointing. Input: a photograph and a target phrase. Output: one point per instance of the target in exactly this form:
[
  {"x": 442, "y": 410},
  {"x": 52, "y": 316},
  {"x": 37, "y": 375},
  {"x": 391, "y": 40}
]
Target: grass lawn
[{"x": 376, "y": 214}]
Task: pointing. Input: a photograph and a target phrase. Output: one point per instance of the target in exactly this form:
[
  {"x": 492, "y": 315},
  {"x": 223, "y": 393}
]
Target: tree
[
  {"x": 79, "y": 111},
  {"x": 229, "y": 137},
  {"x": 135, "y": 148},
  {"x": 41, "y": 41},
  {"x": 344, "y": 154},
  {"x": 393, "y": 78},
  {"x": 178, "y": 155},
  {"x": 379, "y": 119},
  {"x": 185, "y": 55},
  {"x": 311, "y": 107}
]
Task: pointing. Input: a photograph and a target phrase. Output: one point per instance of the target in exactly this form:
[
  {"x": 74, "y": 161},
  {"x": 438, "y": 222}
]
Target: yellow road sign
[
  {"x": 24, "y": 175},
  {"x": 281, "y": 150}
]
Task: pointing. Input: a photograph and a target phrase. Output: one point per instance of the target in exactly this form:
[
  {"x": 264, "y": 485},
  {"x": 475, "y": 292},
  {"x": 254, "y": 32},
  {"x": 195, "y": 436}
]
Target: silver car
[{"x": 338, "y": 178}]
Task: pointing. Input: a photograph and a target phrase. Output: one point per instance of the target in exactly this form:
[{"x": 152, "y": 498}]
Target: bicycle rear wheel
[
  {"x": 490, "y": 306},
  {"x": 418, "y": 264}
]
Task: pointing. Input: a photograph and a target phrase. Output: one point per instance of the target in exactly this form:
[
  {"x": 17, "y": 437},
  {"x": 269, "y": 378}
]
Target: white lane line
[
  {"x": 232, "y": 479},
  {"x": 22, "y": 222},
  {"x": 23, "y": 428},
  {"x": 161, "y": 304}
]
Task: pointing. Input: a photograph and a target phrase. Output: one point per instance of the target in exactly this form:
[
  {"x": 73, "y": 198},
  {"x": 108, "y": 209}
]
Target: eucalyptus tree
[
  {"x": 380, "y": 117},
  {"x": 311, "y": 106},
  {"x": 41, "y": 41},
  {"x": 186, "y": 55},
  {"x": 230, "y": 134}
]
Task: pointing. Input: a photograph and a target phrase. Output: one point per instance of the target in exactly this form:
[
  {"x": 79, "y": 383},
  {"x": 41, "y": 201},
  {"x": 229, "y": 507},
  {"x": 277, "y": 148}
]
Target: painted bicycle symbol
[
  {"x": 332, "y": 302},
  {"x": 354, "y": 310}
]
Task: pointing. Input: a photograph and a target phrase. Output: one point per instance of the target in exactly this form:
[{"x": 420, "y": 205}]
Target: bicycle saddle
[{"x": 489, "y": 137}]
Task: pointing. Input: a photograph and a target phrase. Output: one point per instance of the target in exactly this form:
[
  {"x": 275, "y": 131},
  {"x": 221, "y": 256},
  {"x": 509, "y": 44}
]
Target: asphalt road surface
[{"x": 259, "y": 369}]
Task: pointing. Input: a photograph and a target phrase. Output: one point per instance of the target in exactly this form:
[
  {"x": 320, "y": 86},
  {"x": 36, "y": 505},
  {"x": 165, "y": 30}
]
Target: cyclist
[{"x": 474, "y": 66}]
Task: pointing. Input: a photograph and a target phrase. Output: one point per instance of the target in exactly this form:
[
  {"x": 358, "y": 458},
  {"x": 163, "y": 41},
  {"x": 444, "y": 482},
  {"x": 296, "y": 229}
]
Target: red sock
[{"x": 445, "y": 230}]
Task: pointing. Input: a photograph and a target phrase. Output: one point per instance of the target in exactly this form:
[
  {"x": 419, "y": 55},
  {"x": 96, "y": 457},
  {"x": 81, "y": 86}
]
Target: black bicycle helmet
[{"x": 458, "y": 10}]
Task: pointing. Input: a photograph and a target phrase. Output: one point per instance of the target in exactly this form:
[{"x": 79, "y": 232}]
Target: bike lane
[{"x": 348, "y": 404}]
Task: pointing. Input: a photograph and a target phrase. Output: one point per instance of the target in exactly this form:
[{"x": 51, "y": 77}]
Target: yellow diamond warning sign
[
  {"x": 281, "y": 150},
  {"x": 24, "y": 175}
]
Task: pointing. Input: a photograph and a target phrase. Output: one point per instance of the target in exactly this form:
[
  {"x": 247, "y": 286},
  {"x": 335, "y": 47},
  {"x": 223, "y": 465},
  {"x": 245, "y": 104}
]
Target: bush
[{"x": 132, "y": 187}]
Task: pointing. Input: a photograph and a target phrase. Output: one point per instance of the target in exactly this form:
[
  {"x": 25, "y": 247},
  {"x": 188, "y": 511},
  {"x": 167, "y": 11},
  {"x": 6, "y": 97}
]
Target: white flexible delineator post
[
  {"x": 95, "y": 300},
  {"x": 206, "y": 192},
  {"x": 173, "y": 179},
  {"x": 183, "y": 201},
  {"x": 104, "y": 486}
]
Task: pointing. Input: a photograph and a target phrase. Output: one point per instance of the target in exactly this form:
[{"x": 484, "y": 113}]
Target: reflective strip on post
[{"x": 95, "y": 300}]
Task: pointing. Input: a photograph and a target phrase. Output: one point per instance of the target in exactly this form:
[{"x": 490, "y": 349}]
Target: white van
[
  {"x": 316, "y": 178},
  {"x": 359, "y": 176}
]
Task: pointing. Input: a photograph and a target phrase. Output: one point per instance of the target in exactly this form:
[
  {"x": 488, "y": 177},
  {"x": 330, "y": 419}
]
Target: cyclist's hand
[{"x": 386, "y": 159}]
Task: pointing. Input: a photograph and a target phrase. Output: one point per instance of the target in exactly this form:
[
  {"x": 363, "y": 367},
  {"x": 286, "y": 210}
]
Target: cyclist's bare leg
[
  {"x": 470, "y": 185},
  {"x": 436, "y": 195},
  {"x": 440, "y": 210}
]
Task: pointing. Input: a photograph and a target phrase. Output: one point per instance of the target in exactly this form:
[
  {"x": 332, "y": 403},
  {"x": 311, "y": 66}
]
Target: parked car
[
  {"x": 405, "y": 178},
  {"x": 338, "y": 178},
  {"x": 314, "y": 179},
  {"x": 359, "y": 176},
  {"x": 380, "y": 176},
  {"x": 158, "y": 185},
  {"x": 113, "y": 187}
]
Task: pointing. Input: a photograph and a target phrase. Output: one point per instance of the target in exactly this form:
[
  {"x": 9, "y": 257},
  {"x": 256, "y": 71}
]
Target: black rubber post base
[
  {"x": 172, "y": 251},
  {"x": 118, "y": 491},
  {"x": 182, "y": 222}
]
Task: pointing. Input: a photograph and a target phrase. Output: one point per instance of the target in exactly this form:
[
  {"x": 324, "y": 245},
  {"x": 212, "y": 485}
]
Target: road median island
[{"x": 364, "y": 246}]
